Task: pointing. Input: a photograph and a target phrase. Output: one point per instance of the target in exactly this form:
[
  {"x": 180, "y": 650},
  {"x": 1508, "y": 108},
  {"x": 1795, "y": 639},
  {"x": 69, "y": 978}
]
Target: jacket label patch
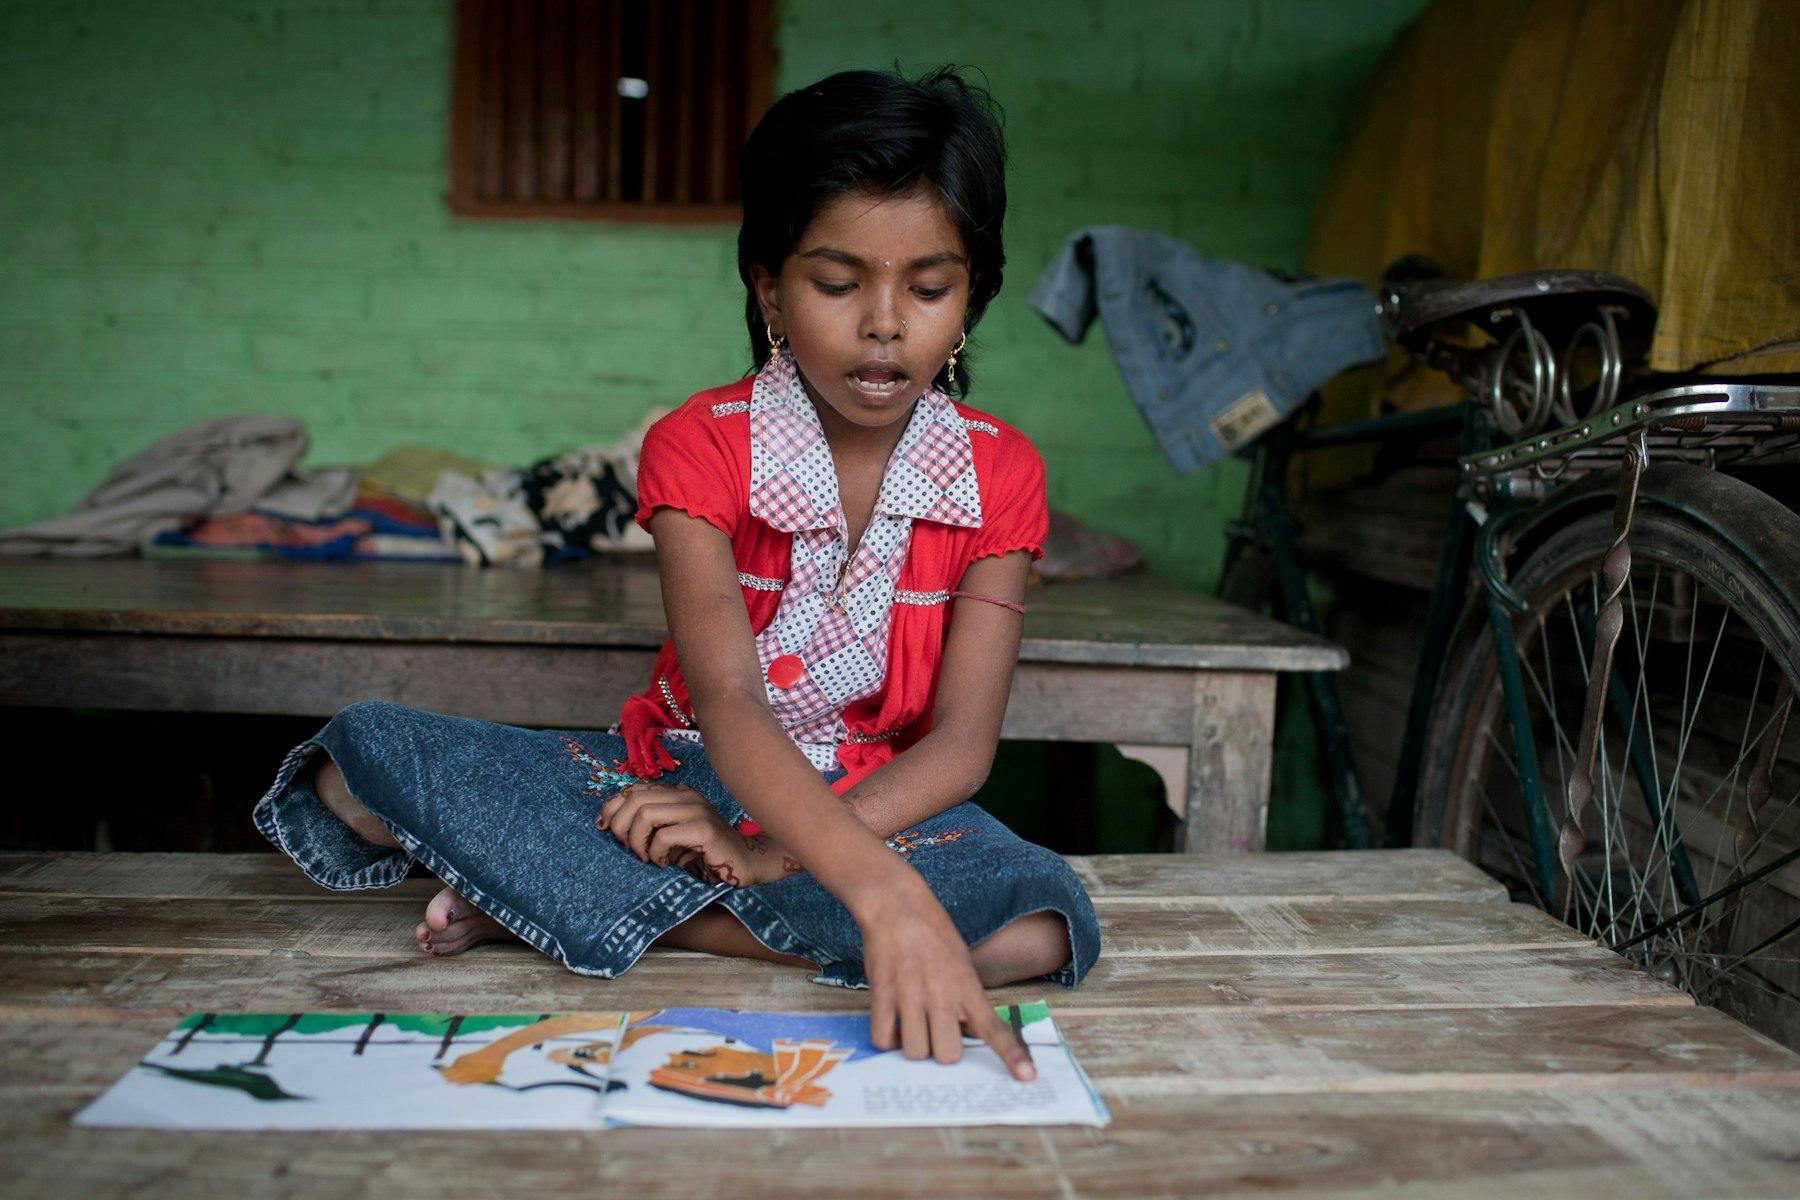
[{"x": 1244, "y": 418}]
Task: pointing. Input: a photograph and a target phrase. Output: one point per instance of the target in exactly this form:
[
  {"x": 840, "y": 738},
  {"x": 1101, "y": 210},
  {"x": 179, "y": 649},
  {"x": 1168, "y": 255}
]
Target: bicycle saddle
[{"x": 1557, "y": 302}]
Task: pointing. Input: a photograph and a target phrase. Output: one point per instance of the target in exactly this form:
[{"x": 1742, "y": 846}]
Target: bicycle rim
[{"x": 1697, "y": 780}]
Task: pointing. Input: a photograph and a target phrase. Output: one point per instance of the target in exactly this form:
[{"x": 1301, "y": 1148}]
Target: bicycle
[{"x": 1601, "y": 714}]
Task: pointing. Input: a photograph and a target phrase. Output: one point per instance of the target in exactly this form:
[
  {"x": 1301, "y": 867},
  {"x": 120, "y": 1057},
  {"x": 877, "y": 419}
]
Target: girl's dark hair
[{"x": 879, "y": 132}]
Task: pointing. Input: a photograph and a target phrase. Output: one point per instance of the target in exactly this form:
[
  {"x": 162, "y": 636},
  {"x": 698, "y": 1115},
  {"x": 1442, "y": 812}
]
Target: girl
[{"x": 843, "y": 552}]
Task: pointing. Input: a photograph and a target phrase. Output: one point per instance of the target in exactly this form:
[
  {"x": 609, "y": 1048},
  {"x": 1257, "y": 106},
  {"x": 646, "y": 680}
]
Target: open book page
[
  {"x": 720, "y": 1068},
  {"x": 368, "y": 1071},
  {"x": 671, "y": 1066}
]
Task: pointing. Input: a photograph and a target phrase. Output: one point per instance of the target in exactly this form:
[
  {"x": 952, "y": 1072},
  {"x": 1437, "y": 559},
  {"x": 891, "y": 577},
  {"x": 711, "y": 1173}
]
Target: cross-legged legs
[{"x": 1031, "y": 946}]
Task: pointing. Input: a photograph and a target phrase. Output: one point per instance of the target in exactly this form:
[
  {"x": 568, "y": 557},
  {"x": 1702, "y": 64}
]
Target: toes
[
  {"x": 442, "y": 946},
  {"x": 452, "y": 925},
  {"x": 445, "y": 908},
  {"x": 464, "y": 934}
]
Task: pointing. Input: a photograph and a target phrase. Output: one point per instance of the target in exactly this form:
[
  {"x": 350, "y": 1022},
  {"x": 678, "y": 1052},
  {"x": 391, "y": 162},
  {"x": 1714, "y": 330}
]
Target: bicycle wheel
[{"x": 1698, "y": 773}]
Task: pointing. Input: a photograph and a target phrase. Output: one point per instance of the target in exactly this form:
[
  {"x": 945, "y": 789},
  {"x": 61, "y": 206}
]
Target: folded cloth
[
  {"x": 487, "y": 519},
  {"x": 411, "y": 471},
  {"x": 1074, "y": 551},
  {"x": 316, "y": 496},
  {"x": 375, "y": 528},
  {"x": 220, "y": 468},
  {"x": 583, "y": 502},
  {"x": 1213, "y": 353},
  {"x": 560, "y": 508}
]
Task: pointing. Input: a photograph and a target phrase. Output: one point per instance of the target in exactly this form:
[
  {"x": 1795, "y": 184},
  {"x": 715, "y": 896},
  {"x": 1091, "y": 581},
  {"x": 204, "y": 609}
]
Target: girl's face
[{"x": 871, "y": 302}]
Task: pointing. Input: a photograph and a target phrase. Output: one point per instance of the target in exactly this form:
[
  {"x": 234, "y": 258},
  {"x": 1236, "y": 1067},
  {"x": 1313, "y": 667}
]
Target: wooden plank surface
[
  {"x": 379, "y": 924},
  {"x": 1142, "y": 621},
  {"x": 1212, "y": 1053},
  {"x": 1656, "y": 1142},
  {"x": 1139, "y": 661},
  {"x": 561, "y": 687},
  {"x": 1639, "y": 1142},
  {"x": 1378, "y": 877},
  {"x": 1231, "y": 752},
  {"x": 285, "y": 978},
  {"x": 1344, "y": 1025}
]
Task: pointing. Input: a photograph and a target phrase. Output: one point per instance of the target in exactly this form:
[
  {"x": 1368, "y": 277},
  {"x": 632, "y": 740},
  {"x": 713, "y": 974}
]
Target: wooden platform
[
  {"x": 1377, "y": 1025},
  {"x": 1176, "y": 678}
]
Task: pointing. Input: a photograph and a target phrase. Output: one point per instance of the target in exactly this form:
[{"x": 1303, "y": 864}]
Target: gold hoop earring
[
  {"x": 951, "y": 365},
  {"x": 774, "y": 341}
]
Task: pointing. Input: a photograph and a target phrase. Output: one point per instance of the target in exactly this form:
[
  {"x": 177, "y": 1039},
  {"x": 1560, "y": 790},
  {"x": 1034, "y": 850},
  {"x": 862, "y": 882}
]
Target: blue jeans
[{"x": 506, "y": 817}]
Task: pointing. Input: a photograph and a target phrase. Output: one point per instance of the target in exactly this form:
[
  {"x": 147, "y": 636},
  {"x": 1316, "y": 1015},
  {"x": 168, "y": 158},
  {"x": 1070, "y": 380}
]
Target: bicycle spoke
[
  {"x": 1744, "y": 742},
  {"x": 1663, "y": 836},
  {"x": 1610, "y": 905},
  {"x": 1710, "y": 927},
  {"x": 1562, "y": 770},
  {"x": 1692, "y": 964},
  {"x": 1741, "y": 958},
  {"x": 1607, "y": 909},
  {"x": 1728, "y": 780},
  {"x": 1561, "y": 739},
  {"x": 1750, "y": 853},
  {"x": 1500, "y": 831},
  {"x": 1756, "y": 843},
  {"x": 1689, "y": 720}
]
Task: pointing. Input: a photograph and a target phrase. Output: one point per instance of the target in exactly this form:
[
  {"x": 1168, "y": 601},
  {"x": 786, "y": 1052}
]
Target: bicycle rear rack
[{"x": 1710, "y": 425}]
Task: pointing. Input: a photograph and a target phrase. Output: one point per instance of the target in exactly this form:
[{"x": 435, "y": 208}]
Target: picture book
[{"x": 696, "y": 1067}]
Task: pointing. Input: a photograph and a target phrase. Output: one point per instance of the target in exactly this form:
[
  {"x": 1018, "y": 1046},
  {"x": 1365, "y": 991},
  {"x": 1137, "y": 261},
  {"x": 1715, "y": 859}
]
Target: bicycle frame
[{"x": 1268, "y": 521}]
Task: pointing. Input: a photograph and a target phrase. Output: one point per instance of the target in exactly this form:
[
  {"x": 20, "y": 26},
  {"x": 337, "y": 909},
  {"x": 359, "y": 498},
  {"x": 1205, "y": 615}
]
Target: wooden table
[
  {"x": 1177, "y": 678},
  {"x": 1376, "y": 1024}
]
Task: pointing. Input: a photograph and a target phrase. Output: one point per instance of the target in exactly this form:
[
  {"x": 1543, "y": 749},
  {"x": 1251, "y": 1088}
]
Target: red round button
[
  {"x": 749, "y": 828},
  {"x": 786, "y": 671}
]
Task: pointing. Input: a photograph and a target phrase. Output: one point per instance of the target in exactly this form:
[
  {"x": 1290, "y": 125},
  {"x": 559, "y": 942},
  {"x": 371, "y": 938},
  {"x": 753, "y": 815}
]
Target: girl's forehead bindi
[
  {"x": 849, "y": 258},
  {"x": 883, "y": 230}
]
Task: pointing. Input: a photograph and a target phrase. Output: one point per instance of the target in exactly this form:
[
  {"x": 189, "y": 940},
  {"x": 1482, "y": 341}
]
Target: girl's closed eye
[{"x": 921, "y": 291}]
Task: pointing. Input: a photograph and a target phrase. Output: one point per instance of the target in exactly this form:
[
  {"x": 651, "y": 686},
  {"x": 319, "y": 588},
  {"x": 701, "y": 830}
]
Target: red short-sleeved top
[{"x": 700, "y": 459}]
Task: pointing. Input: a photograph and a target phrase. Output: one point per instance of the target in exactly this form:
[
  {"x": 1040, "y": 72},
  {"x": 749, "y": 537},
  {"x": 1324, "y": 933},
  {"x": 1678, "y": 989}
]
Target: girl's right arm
[{"x": 922, "y": 980}]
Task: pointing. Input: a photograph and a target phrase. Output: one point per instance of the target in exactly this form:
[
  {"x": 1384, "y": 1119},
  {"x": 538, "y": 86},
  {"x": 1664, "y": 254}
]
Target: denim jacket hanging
[{"x": 1213, "y": 353}]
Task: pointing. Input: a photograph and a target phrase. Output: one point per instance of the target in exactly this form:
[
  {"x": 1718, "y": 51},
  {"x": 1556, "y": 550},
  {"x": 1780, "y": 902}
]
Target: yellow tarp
[{"x": 1656, "y": 139}]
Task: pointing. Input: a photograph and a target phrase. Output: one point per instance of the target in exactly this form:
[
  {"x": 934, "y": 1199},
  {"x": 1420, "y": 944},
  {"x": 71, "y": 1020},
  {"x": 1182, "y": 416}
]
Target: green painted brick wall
[
  {"x": 218, "y": 206},
  {"x": 213, "y": 207}
]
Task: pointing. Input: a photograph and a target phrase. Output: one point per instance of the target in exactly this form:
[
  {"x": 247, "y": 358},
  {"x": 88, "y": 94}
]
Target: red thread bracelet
[{"x": 1018, "y": 608}]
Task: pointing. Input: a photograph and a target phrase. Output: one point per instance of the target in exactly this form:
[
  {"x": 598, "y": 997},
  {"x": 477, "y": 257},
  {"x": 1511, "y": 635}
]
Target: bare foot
[{"x": 452, "y": 925}]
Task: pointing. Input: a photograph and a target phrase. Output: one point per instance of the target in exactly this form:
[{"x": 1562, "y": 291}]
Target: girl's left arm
[{"x": 948, "y": 765}]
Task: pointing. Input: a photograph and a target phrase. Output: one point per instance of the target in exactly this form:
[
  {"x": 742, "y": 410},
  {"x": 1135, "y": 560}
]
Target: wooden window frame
[{"x": 593, "y": 98}]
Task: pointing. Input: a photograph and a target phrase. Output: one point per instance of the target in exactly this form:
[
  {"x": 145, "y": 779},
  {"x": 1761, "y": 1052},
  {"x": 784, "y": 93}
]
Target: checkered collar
[{"x": 793, "y": 481}]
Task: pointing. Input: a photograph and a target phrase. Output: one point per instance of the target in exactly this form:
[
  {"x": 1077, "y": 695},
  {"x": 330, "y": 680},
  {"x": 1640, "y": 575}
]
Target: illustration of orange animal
[
  {"x": 728, "y": 1075},
  {"x": 486, "y": 1064}
]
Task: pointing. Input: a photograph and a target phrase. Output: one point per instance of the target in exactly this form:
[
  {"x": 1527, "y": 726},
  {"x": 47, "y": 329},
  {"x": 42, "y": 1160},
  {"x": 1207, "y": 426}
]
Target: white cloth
[{"x": 220, "y": 468}]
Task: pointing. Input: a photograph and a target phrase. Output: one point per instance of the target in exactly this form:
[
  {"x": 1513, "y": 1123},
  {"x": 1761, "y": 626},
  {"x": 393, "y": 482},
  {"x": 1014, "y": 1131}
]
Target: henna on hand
[{"x": 760, "y": 845}]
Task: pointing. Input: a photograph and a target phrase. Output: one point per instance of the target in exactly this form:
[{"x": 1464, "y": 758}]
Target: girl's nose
[{"x": 883, "y": 321}]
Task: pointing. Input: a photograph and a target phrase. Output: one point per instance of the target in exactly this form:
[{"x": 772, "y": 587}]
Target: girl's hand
[
  {"x": 924, "y": 993},
  {"x": 675, "y": 826}
]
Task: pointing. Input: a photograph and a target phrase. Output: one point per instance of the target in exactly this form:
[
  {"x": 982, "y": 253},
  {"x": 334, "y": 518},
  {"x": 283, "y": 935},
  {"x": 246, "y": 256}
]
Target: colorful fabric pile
[
  {"x": 556, "y": 510},
  {"x": 376, "y": 527}
]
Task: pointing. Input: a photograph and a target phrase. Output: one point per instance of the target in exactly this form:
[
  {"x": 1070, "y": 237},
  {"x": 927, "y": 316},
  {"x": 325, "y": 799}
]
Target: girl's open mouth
[{"x": 876, "y": 383}]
